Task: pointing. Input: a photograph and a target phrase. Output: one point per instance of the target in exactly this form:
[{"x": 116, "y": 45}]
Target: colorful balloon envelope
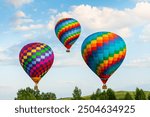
[
  {"x": 103, "y": 52},
  {"x": 36, "y": 59},
  {"x": 67, "y": 30}
]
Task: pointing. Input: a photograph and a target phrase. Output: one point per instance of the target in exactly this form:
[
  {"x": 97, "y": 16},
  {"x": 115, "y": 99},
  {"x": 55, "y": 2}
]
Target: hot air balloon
[
  {"x": 103, "y": 52},
  {"x": 36, "y": 59},
  {"x": 67, "y": 30}
]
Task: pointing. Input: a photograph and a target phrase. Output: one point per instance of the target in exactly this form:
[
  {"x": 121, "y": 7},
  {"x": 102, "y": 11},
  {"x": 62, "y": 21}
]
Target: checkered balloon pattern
[
  {"x": 68, "y": 30},
  {"x": 103, "y": 52},
  {"x": 36, "y": 59}
]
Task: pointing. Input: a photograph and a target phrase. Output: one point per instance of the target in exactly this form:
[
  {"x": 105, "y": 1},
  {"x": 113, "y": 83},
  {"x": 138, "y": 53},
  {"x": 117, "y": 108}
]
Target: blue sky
[{"x": 26, "y": 21}]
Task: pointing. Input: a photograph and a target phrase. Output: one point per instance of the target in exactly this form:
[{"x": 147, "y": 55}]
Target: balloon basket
[
  {"x": 36, "y": 88},
  {"x": 104, "y": 87},
  {"x": 67, "y": 50}
]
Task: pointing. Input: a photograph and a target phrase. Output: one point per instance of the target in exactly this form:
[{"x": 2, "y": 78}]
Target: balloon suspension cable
[
  {"x": 36, "y": 87},
  {"x": 104, "y": 87},
  {"x": 67, "y": 50}
]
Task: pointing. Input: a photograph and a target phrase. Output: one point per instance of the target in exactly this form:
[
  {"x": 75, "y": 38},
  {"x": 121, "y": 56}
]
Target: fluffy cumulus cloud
[
  {"x": 21, "y": 18},
  {"x": 20, "y": 14},
  {"x": 24, "y": 23},
  {"x": 96, "y": 19},
  {"x": 19, "y": 3},
  {"x": 124, "y": 22},
  {"x": 141, "y": 11},
  {"x": 29, "y": 27},
  {"x": 51, "y": 23}
]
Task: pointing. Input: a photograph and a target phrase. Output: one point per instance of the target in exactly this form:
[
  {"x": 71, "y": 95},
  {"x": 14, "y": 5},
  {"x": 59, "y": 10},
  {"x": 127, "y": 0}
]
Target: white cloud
[
  {"x": 95, "y": 19},
  {"x": 29, "y": 27},
  {"x": 4, "y": 58},
  {"x": 51, "y": 24},
  {"x": 53, "y": 11},
  {"x": 28, "y": 36},
  {"x": 124, "y": 32},
  {"x": 123, "y": 22},
  {"x": 141, "y": 11},
  {"x": 141, "y": 62},
  {"x": 20, "y": 14},
  {"x": 24, "y": 23},
  {"x": 21, "y": 18},
  {"x": 21, "y": 21},
  {"x": 102, "y": 19},
  {"x": 19, "y": 3},
  {"x": 145, "y": 35}
]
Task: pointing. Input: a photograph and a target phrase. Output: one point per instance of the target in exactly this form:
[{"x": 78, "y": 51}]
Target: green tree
[
  {"x": 93, "y": 96},
  {"x": 36, "y": 94},
  {"x": 149, "y": 96},
  {"x": 77, "y": 94},
  {"x": 96, "y": 95},
  {"x": 103, "y": 96},
  {"x": 30, "y": 94},
  {"x": 139, "y": 94},
  {"x": 25, "y": 94},
  {"x": 128, "y": 96},
  {"x": 48, "y": 96},
  {"x": 111, "y": 94},
  {"x": 98, "y": 92},
  {"x": 143, "y": 96}
]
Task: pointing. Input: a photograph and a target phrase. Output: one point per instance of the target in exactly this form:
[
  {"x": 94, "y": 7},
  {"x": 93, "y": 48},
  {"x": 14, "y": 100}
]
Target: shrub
[{"x": 128, "y": 96}]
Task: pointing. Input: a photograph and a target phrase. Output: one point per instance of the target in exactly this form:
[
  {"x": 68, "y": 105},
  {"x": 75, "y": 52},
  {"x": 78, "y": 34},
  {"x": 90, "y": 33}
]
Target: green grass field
[{"x": 119, "y": 95}]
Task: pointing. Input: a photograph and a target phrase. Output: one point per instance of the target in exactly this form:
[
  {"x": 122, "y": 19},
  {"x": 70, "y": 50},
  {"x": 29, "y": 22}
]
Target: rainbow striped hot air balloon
[
  {"x": 36, "y": 59},
  {"x": 67, "y": 30},
  {"x": 103, "y": 52}
]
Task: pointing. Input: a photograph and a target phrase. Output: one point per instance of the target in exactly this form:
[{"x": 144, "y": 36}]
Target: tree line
[{"x": 109, "y": 94}]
